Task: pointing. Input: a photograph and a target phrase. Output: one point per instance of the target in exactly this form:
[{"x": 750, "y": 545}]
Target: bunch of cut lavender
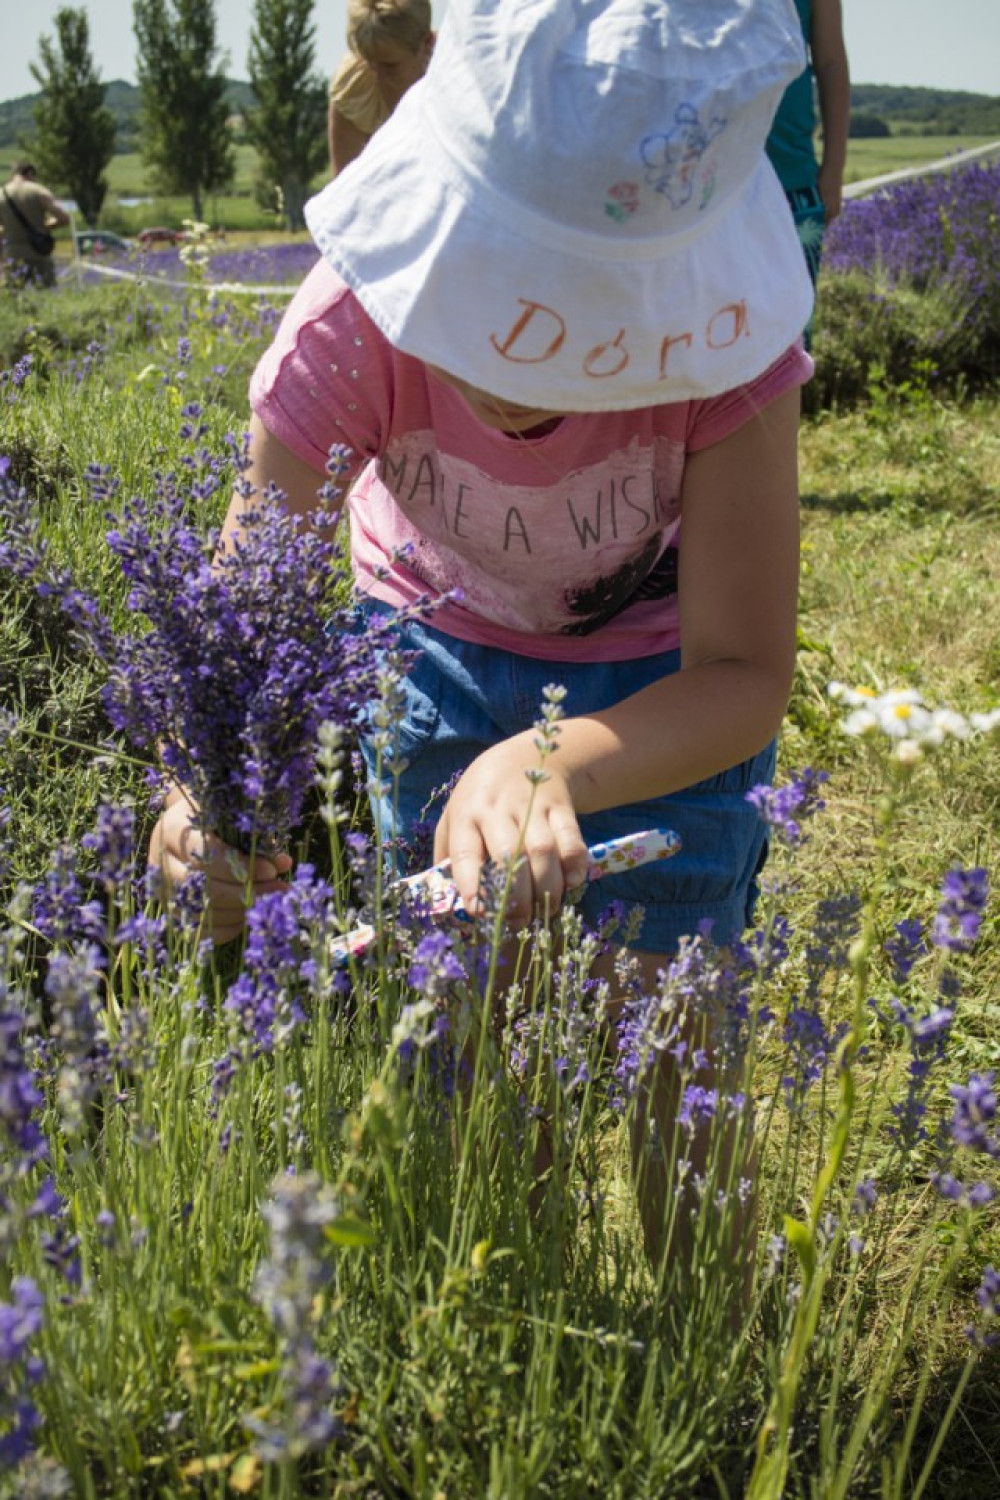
[
  {"x": 242, "y": 663},
  {"x": 235, "y": 660}
]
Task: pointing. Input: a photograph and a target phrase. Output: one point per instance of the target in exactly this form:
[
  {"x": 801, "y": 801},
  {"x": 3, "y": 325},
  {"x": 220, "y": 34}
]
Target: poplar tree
[
  {"x": 287, "y": 123},
  {"x": 74, "y": 129},
  {"x": 184, "y": 110}
]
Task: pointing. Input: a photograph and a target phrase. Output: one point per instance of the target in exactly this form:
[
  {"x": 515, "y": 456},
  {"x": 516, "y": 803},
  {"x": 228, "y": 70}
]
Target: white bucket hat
[{"x": 573, "y": 209}]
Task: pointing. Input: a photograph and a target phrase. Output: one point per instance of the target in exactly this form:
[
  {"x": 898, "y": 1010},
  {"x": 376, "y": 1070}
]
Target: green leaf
[
  {"x": 801, "y": 1241},
  {"x": 349, "y": 1233}
]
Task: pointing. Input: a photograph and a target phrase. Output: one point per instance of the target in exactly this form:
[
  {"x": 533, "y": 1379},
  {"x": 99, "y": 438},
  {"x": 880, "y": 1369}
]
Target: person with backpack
[{"x": 28, "y": 214}]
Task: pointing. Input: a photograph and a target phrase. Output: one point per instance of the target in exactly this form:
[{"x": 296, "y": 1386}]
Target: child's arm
[
  {"x": 273, "y": 462},
  {"x": 176, "y": 846},
  {"x": 737, "y": 591}
]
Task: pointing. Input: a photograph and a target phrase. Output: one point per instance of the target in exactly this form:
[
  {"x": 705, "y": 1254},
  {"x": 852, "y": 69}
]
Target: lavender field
[{"x": 271, "y": 1221}]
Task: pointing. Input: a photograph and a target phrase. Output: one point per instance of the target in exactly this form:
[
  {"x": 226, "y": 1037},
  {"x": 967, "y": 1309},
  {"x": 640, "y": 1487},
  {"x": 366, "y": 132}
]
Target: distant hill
[
  {"x": 904, "y": 110},
  {"x": 928, "y": 111},
  {"x": 17, "y": 119}
]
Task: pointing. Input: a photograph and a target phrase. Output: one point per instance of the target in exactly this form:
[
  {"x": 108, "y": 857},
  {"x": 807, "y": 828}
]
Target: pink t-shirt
[{"x": 561, "y": 546}]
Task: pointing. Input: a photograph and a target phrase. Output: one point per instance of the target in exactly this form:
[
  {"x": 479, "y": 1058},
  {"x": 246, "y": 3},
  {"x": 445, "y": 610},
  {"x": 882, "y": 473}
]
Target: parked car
[
  {"x": 101, "y": 242},
  {"x": 160, "y": 235}
]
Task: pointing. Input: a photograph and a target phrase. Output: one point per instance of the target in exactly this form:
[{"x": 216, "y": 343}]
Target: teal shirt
[{"x": 790, "y": 144}]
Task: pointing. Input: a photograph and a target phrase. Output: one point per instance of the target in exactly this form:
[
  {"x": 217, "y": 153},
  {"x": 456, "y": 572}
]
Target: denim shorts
[{"x": 460, "y": 699}]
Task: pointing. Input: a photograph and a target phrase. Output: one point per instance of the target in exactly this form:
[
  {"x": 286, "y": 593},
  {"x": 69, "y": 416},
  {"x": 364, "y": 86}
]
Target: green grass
[{"x": 235, "y": 210}]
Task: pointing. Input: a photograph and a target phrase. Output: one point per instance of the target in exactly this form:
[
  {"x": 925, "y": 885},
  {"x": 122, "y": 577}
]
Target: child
[
  {"x": 557, "y": 324},
  {"x": 390, "y": 44}
]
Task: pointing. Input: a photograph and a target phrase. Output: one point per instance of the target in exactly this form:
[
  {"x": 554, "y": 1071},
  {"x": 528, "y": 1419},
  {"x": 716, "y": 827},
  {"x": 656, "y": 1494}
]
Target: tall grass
[{"x": 269, "y": 1228}]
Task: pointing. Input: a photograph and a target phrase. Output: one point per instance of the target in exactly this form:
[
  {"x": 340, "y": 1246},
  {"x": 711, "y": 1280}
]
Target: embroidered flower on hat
[{"x": 622, "y": 200}]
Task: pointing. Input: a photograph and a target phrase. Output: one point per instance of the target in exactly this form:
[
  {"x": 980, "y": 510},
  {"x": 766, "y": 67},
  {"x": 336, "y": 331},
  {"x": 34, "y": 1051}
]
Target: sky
[{"x": 947, "y": 44}]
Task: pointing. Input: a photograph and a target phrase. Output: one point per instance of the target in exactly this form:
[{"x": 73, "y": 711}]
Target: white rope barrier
[
  {"x": 117, "y": 274},
  {"x": 943, "y": 164}
]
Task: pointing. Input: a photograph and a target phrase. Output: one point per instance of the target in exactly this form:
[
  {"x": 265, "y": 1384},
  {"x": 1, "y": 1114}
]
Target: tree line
[
  {"x": 185, "y": 138},
  {"x": 924, "y": 111}
]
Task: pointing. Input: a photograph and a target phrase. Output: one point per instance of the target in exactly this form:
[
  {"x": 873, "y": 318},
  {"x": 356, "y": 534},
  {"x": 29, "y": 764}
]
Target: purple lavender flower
[
  {"x": 785, "y": 808},
  {"x": 698, "y": 1107},
  {"x": 865, "y": 1197},
  {"x": 257, "y": 627},
  {"x": 810, "y": 1048},
  {"x": 566, "y": 1039},
  {"x": 113, "y": 844},
  {"x": 279, "y": 958},
  {"x": 905, "y": 948},
  {"x": 21, "y": 1321},
  {"x": 20, "y": 1133},
  {"x": 927, "y": 1037},
  {"x": 309, "y": 1388},
  {"x": 18, "y": 1442},
  {"x": 100, "y": 482},
  {"x": 61, "y": 910},
  {"x": 969, "y": 1195},
  {"x": 960, "y": 914},
  {"x": 286, "y": 1286},
  {"x": 107, "y": 1228},
  {"x": 12, "y": 381},
  {"x": 834, "y": 927},
  {"x": 74, "y": 988},
  {"x": 435, "y": 965},
  {"x": 988, "y": 1297},
  {"x": 60, "y": 1251},
  {"x": 148, "y": 937},
  {"x": 646, "y": 1030},
  {"x": 973, "y": 1122}
]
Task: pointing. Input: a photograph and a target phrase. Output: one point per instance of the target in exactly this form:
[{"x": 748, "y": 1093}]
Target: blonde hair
[{"x": 369, "y": 22}]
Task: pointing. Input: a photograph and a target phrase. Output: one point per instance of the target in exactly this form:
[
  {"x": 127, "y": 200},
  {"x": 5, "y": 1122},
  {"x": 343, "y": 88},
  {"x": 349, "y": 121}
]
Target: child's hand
[
  {"x": 495, "y": 813},
  {"x": 178, "y": 849}
]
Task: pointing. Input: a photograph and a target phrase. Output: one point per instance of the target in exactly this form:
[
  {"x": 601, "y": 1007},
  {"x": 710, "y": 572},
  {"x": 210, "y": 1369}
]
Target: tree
[
  {"x": 184, "y": 119},
  {"x": 866, "y": 126},
  {"x": 74, "y": 129},
  {"x": 288, "y": 122}
]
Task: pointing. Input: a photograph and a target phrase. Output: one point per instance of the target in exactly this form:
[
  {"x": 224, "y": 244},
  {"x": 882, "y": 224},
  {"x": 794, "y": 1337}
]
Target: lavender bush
[
  {"x": 939, "y": 230},
  {"x": 402, "y": 1245},
  {"x": 909, "y": 284}
]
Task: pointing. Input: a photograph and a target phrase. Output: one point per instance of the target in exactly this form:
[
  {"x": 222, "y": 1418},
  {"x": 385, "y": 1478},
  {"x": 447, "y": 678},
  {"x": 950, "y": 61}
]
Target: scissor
[{"x": 445, "y": 904}]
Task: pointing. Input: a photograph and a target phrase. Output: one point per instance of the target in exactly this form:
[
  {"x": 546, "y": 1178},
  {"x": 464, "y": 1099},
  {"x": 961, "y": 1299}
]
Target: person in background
[
  {"x": 390, "y": 43},
  {"x": 814, "y": 187},
  {"x": 26, "y": 205}
]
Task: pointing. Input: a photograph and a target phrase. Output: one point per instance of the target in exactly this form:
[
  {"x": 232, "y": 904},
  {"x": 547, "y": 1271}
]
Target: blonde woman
[{"x": 390, "y": 44}]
